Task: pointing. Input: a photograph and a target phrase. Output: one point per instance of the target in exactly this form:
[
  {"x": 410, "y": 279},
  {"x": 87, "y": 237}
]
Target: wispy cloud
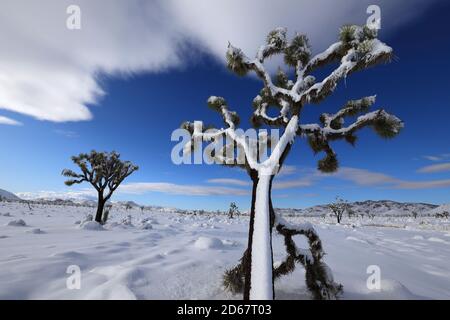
[
  {"x": 9, "y": 121},
  {"x": 442, "y": 167},
  {"x": 433, "y": 158},
  {"x": 294, "y": 183},
  {"x": 226, "y": 181},
  {"x": 179, "y": 189},
  {"x": 363, "y": 177},
  {"x": 369, "y": 178},
  {"x": 287, "y": 170},
  {"x": 422, "y": 184},
  {"x": 436, "y": 158}
]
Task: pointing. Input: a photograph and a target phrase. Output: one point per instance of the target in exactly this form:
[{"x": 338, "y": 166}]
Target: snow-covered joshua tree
[
  {"x": 357, "y": 49},
  {"x": 338, "y": 208},
  {"x": 105, "y": 171}
]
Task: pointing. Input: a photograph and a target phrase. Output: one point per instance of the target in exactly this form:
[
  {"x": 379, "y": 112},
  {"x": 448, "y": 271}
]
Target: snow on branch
[
  {"x": 319, "y": 277},
  {"x": 386, "y": 125},
  {"x": 358, "y": 49}
]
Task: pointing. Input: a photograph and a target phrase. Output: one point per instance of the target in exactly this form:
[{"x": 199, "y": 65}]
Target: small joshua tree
[
  {"x": 290, "y": 93},
  {"x": 338, "y": 208},
  {"x": 105, "y": 171},
  {"x": 234, "y": 210}
]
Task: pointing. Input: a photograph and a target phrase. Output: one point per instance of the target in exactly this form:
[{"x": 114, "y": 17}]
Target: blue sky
[{"x": 142, "y": 105}]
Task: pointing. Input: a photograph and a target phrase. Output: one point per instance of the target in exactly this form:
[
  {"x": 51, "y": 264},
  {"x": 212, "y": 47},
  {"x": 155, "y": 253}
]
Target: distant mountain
[
  {"x": 8, "y": 195},
  {"x": 380, "y": 207},
  {"x": 445, "y": 208}
]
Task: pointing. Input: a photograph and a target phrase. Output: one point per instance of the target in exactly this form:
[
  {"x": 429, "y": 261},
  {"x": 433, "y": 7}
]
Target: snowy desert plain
[{"x": 163, "y": 253}]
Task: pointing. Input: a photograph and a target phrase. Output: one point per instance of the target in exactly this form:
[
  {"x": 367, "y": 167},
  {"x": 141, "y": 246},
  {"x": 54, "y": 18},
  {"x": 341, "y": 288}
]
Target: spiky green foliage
[
  {"x": 236, "y": 61},
  {"x": 329, "y": 164},
  {"x": 281, "y": 79},
  {"x": 317, "y": 143},
  {"x": 363, "y": 49},
  {"x": 216, "y": 103},
  {"x": 257, "y": 101},
  {"x": 337, "y": 123},
  {"x": 298, "y": 50},
  {"x": 369, "y": 33},
  {"x": 387, "y": 127},
  {"x": 350, "y": 138},
  {"x": 347, "y": 33},
  {"x": 354, "y": 107},
  {"x": 255, "y": 121},
  {"x": 276, "y": 41}
]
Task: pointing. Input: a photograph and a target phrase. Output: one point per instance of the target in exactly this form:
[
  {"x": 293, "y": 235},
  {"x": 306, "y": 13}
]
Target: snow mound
[
  {"x": 91, "y": 225},
  {"x": 17, "y": 223},
  {"x": 35, "y": 231},
  {"x": 435, "y": 239},
  {"x": 204, "y": 243},
  {"x": 350, "y": 238},
  {"x": 146, "y": 226}
]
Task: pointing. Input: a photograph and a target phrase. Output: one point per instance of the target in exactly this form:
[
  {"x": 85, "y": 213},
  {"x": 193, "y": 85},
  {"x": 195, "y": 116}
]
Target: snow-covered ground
[{"x": 164, "y": 255}]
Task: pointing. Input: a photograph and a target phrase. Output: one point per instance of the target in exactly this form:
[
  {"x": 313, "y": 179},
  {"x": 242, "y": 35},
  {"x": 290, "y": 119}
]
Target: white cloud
[
  {"x": 295, "y": 183},
  {"x": 442, "y": 167},
  {"x": 433, "y": 158},
  {"x": 287, "y": 170},
  {"x": 423, "y": 184},
  {"x": 51, "y": 73},
  {"x": 226, "y": 181},
  {"x": 178, "y": 189},
  {"x": 363, "y": 177},
  {"x": 9, "y": 121},
  {"x": 85, "y": 194},
  {"x": 436, "y": 158}
]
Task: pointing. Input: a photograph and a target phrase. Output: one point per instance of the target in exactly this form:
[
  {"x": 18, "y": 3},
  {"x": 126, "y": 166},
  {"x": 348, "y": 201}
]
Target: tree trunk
[
  {"x": 248, "y": 261},
  {"x": 259, "y": 265},
  {"x": 100, "y": 206}
]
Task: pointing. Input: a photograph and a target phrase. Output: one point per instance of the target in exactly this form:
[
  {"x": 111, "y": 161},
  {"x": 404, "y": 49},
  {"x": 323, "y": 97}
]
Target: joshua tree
[
  {"x": 105, "y": 171},
  {"x": 234, "y": 210},
  {"x": 293, "y": 89},
  {"x": 338, "y": 208}
]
